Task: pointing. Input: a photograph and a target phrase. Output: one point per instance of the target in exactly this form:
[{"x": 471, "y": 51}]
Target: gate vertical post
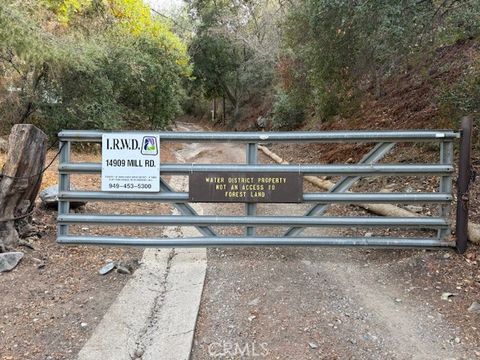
[
  {"x": 446, "y": 158},
  {"x": 64, "y": 184},
  {"x": 251, "y": 208},
  {"x": 463, "y": 183}
]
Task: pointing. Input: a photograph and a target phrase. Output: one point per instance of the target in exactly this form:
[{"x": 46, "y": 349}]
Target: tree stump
[{"x": 20, "y": 179}]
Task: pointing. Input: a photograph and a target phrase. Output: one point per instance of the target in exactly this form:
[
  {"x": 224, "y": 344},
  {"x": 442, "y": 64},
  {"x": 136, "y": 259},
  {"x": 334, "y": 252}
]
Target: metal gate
[{"x": 349, "y": 174}]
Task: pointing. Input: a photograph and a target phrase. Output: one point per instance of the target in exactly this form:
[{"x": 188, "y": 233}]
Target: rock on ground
[
  {"x": 475, "y": 307},
  {"x": 49, "y": 198},
  {"x": 8, "y": 261}
]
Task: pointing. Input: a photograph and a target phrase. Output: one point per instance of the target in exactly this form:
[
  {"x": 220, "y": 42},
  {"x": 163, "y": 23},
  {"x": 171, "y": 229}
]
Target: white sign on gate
[{"x": 130, "y": 162}]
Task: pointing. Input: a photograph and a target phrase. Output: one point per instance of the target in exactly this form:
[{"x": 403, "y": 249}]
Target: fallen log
[
  {"x": 20, "y": 179},
  {"x": 379, "y": 209}
]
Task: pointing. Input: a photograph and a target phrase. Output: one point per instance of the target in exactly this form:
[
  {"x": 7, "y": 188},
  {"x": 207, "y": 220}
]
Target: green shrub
[
  {"x": 340, "y": 45},
  {"x": 288, "y": 111},
  {"x": 92, "y": 73},
  {"x": 464, "y": 97}
]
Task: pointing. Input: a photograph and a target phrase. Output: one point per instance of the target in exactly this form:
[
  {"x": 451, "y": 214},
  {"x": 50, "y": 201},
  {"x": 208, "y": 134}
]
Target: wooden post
[{"x": 20, "y": 179}]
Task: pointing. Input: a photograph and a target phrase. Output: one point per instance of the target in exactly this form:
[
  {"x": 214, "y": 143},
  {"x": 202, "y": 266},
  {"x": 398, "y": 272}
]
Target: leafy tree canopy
[{"x": 89, "y": 64}]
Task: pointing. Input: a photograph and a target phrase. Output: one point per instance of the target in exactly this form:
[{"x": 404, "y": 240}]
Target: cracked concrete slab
[
  {"x": 155, "y": 314},
  {"x": 182, "y": 300}
]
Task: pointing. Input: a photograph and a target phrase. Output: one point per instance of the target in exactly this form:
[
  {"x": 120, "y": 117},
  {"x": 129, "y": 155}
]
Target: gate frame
[{"x": 350, "y": 173}]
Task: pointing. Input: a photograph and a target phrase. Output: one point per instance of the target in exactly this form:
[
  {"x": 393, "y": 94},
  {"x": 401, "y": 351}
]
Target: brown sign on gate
[{"x": 245, "y": 187}]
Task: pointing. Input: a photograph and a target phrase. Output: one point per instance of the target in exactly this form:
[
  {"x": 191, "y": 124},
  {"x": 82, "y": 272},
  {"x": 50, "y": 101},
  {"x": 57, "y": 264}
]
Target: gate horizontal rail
[
  {"x": 350, "y": 174},
  {"x": 300, "y": 136},
  {"x": 255, "y": 241},
  {"x": 408, "y": 222},
  {"x": 331, "y": 170},
  {"x": 351, "y": 198}
]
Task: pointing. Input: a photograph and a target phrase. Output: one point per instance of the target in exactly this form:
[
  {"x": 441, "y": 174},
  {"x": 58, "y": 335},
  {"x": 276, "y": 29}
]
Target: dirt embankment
[{"x": 409, "y": 101}]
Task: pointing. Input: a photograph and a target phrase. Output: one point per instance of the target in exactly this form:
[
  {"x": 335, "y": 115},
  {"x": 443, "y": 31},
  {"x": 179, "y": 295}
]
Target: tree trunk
[
  {"x": 19, "y": 186},
  {"x": 224, "y": 108},
  {"x": 214, "y": 110}
]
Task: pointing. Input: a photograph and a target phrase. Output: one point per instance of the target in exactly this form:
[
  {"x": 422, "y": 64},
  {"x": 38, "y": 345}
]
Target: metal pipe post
[
  {"x": 64, "y": 185},
  {"x": 446, "y": 158},
  {"x": 463, "y": 183},
  {"x": 251, "y": 208}
]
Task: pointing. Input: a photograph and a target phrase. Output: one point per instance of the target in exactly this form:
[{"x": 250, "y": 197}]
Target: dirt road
[{"x": 318, "y": 303}]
